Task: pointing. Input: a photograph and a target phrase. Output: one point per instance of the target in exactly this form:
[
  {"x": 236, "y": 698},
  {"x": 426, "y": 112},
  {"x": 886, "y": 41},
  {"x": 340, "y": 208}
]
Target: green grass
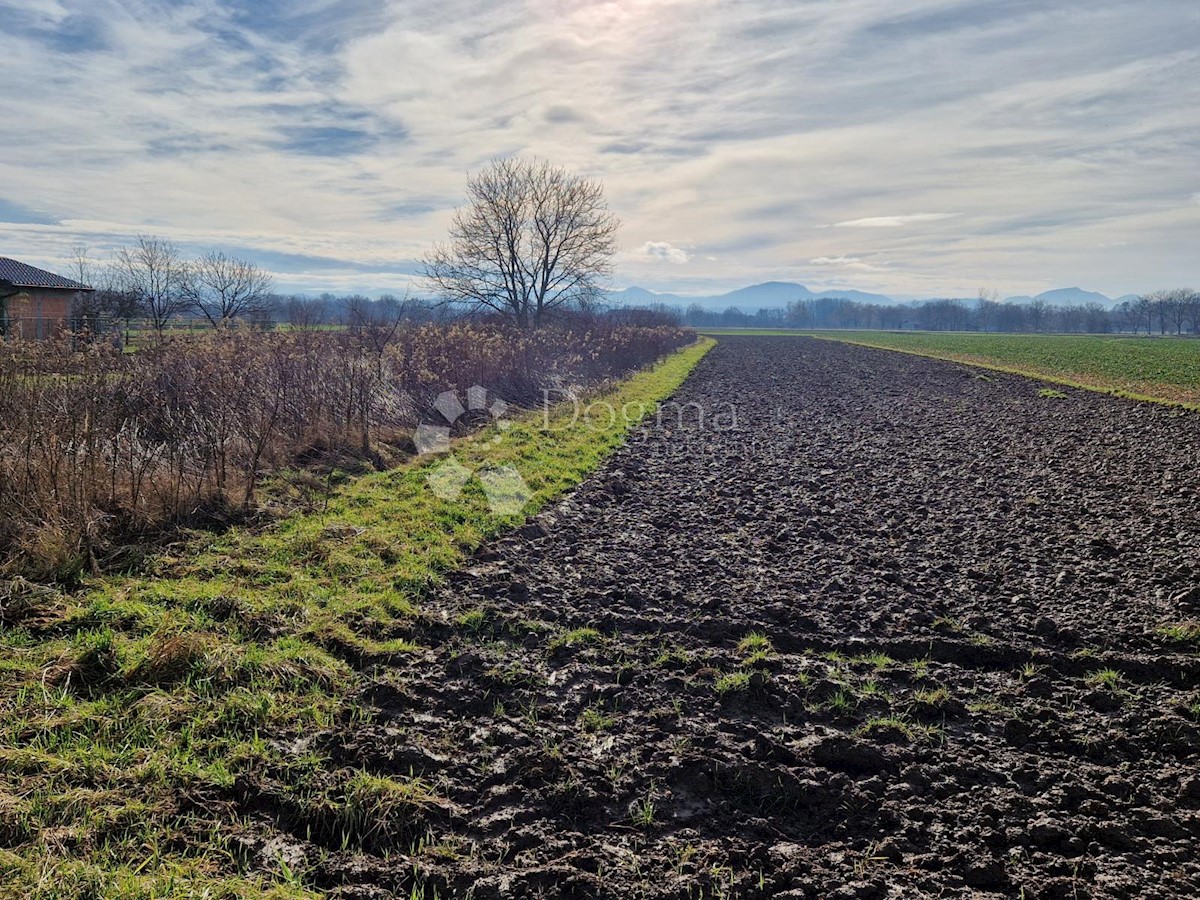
[
  {"x": 594, "y": 719},
  {"x": 755, "y": 642},
  {"x": 756, "y": 649},
  {"x": 1106, "y": 678},
  {"x": 642, "y": 812},
  {"x": 1182, "y": 632},
  {"x": 732, "y": 682},
  {"x": 131, "y": 710},
  {"x": 578, "y": 637},
  {"x": 1162, "y": 369},
  {"x": 877, "y": 661}
]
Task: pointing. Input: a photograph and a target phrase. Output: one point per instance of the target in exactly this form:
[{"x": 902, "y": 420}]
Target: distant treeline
[
  {"x": 150, "y": 283},
  {"x": 1163, "y": 312}
]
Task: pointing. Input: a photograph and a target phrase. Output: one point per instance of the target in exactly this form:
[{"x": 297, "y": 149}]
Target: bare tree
[
  {"x": 305, "y": 313},
  {"x": 223, "y": 288},
  {"x": 987, "y": 309},
  {"x": 87, "y": 307},
  {"x": 93, "y": 312},
  {"x": 376, "y": 322},
  {"x": 1038, "y": 311},
  {"x": 1177, "y": 305},
  {"x": 1097, "y": 320},
  {"x": 1191, "y": 311},
  {"x": 532, "y": 238},
  {"x": 1145, "y": 305},
  {"x": 153, "y": 274}
]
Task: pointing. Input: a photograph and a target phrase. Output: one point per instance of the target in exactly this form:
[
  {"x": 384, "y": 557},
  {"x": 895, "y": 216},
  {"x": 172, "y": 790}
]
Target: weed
[
  {"x": 933, "y": 699},
  {"x": 673, "y": 658},
  {"x": 578, "y": 637},
  {"x": 870, "y": 689},
  {"x": 946, "y": 623},
  {"x": 683, "y": 857},
  {"x": 758, "y": 658},
  {"x": 992, "y": 707},
  {"x": 842, "y": 701},
  {"x": 1051, "y": 394},
  {"x": 375, "y": 805},
  {"x": 615, "y": 772},
  {"x": 755, "y": 642},
  {"x": 513, "y": 674},
  {"x": 877, "y": 661},
  {"x": 1106, "y": 678},
  {"x": 642, "y": 811},
  {"x": 866, "y": 861},
  {"x": 1182, "y": 632},
  {"x": 593, "y": 719},
  {"x": 732, "y": 682},
  {"x": 886, "y": 724},
  {"x": 472, "y": 620}
]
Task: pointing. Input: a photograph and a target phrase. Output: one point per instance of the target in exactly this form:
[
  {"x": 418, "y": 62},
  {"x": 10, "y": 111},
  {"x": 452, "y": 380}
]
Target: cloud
[
  {"x": 847, "y": 262},
  {"x": 665, "y": 252},
  {"x": 344, "y": 130},
  {"x": 895, "y": 221}
]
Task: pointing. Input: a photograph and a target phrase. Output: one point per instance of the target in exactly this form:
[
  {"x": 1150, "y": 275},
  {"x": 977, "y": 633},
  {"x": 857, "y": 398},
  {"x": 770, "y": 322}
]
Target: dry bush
[{"x": 99, "y": 447}]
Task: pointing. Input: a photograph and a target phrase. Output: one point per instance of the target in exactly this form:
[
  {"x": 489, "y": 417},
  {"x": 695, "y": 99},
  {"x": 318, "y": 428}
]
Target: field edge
[
  {"x": 131, "y": 709},
  {"x": 967, "y": 359}
]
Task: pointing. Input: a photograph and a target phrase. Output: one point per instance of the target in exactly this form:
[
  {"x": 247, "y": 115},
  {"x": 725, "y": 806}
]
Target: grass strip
[{"x": 131, "y": 711}]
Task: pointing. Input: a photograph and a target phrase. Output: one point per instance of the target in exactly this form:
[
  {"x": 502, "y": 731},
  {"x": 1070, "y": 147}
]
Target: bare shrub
[{"x": 100, "y": 447}]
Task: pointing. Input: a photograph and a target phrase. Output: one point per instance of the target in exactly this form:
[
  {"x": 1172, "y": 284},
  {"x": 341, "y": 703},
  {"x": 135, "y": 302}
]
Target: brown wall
[{"x": 39, "y": 312}]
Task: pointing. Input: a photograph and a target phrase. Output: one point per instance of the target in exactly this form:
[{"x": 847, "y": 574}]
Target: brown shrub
[{"x": 98, "y": 447}]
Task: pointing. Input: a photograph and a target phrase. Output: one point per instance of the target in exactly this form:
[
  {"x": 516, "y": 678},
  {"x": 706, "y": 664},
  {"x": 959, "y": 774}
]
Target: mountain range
[{"x": 775, "y": 294}]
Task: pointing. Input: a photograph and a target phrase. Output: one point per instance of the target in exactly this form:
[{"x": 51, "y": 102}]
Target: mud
[{"x": 964, "y": 689}]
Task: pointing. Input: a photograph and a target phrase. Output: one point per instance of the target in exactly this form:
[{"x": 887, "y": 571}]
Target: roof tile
[{"x": 20, "y": 275}]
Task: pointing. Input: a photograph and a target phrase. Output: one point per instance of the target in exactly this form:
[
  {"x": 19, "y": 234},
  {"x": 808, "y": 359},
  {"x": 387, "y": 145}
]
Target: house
[{"x": 34, "y": 303}]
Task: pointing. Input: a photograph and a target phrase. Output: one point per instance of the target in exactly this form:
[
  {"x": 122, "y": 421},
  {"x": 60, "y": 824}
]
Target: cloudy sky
[{"x": 923, "y": 148}]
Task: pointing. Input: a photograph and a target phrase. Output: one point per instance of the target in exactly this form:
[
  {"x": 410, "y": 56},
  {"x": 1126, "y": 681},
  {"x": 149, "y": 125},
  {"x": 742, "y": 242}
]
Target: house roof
[{"x": 20, "y": 275}]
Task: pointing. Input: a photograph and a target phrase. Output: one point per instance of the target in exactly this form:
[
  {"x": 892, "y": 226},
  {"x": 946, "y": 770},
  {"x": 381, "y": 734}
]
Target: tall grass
[{"x": 98, "y": 446}]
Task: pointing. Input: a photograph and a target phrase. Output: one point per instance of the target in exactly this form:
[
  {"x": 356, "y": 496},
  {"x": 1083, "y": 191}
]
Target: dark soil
[{"x": 966, "y": 690}]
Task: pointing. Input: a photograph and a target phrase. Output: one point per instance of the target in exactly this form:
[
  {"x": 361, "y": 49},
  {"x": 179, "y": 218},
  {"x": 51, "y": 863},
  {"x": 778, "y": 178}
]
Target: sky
[{"x": 918, "y": 149}]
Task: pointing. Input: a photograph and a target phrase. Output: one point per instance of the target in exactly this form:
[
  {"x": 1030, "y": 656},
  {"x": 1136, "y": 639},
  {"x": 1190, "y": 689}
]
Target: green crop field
[{"x": 1158, "y": 368}]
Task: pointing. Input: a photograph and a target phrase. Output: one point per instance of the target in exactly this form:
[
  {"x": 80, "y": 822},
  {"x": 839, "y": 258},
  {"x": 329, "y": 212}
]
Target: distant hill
[
  {"x": 769, "y": 295},
  {"x": 1072, "y": 296},
  {"x": 636, "y": 296},
  {"x": 777, "y": 294}
]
